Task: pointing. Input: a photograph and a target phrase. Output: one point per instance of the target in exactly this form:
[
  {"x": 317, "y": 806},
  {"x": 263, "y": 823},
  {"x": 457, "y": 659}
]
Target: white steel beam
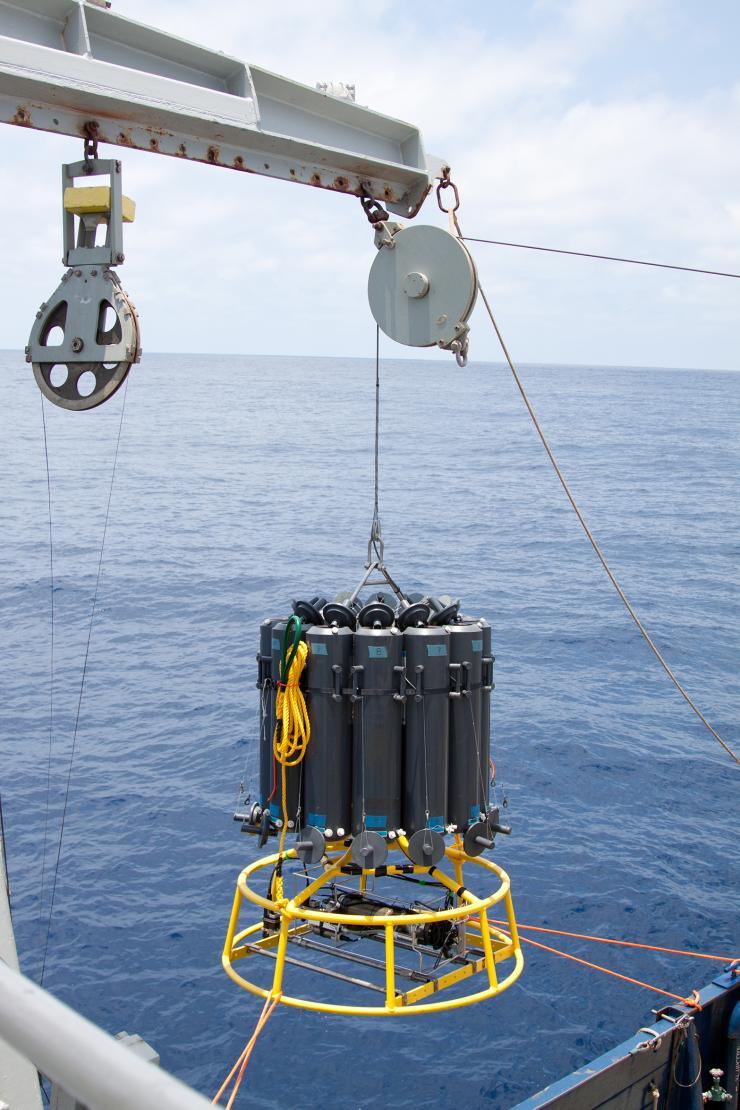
[{"x": 65, "y": 64}]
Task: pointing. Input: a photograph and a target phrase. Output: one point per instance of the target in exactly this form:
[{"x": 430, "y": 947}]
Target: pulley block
[
  {"x": 422, "y": 287},
  {"x": 85, "y": 338}
]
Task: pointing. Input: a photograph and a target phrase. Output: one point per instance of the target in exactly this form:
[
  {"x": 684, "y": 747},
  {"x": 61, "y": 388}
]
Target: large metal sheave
[{"x": 422, "y": 286}]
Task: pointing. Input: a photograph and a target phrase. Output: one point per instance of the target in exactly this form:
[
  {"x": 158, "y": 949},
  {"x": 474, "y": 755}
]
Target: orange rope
[
  {"x": 243, "y": 1060},
  {"x": 623, "y": 943},
  {"x": 692, "y": 1001}
]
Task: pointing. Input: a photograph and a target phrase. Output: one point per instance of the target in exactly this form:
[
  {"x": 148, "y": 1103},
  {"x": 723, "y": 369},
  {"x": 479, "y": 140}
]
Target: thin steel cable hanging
[
  {"x": 456, "y": 230},
  {"x": 595, "y": 545},
  {"x": 51, "y": 664},
  {"x": 600, "y": 257},
  {"x": 375, "y": 529},
  {"x": 82, "y": 687}
]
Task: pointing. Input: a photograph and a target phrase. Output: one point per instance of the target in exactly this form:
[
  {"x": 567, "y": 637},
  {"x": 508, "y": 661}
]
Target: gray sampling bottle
[
  {"x": 377, "y": 692},
  {"x": 485, "y": 712},
  {"x": 426, "y": 739},
  {"x": 328, "y": 760},
  {"x": 466, "y": 776}
]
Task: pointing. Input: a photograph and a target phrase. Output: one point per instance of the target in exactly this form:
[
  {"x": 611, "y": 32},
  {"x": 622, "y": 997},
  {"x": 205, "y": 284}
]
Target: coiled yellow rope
[{"x": 291, "y": 736}]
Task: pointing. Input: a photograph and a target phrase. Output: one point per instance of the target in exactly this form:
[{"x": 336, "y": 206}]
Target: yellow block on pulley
[{"x": 95, "y": 199}]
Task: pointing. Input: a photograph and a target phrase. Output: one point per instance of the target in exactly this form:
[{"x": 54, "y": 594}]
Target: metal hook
[
  {"x": 90, "y": 140},
  {"x": 372, "y": 208},
  {"x": 445, "y": 182}
]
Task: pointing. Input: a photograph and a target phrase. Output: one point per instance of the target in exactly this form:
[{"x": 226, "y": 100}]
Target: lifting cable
[
  {"x": 375, "y": 529},
  {"x": 455, "y": 229},
  {"x": 82, "y": 682},
  {"x": 51, "y": 664},
  {"x": 600, "y": 257}
]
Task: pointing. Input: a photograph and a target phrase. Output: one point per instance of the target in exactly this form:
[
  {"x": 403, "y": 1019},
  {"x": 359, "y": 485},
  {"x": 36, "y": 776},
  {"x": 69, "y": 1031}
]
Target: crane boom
[{"x": 67, "y": 64}]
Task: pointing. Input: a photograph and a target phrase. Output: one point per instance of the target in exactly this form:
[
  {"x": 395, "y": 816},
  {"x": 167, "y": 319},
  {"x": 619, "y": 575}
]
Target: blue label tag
[
  {"x": 317, "y": 819},
  {"x": 377, "y": 653},
  {"x": 474, "y": 813},
  {"x": 436, "y": 649},
  {"x": 372, "y": 821},
  {"x": 477, "y": 645},
  {"x": 274, "y": 809},
  {"x": 437, "y": 824},
  {"x": 276, "y": 645},
  {"x": 319, "y": 649}
]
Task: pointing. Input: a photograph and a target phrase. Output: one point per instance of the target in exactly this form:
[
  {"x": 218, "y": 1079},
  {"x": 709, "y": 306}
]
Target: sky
[{"x": 598, "y": 125}]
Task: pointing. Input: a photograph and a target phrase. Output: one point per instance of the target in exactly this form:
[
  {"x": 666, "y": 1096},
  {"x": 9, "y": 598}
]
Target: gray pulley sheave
[
  {"x": 422, "y": 287},
  {"x": 85, "y": 338},
  {"x": 97, "y": 332}
]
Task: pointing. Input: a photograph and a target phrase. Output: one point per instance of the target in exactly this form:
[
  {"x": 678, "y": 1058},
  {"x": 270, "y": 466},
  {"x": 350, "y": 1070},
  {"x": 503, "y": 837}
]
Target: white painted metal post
[
  {"x": 86, "y": 1062},
  {"x": 19, "y": 1081}
]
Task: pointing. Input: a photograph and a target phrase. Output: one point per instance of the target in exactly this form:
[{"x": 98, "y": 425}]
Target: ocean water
[{"x": 243, "y": 482}]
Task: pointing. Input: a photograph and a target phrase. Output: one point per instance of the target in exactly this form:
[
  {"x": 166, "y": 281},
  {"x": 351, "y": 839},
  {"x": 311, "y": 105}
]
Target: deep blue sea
[{"x": 243, "y": 482}]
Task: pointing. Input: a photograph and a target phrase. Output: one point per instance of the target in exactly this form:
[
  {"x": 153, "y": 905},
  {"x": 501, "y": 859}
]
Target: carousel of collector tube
[
  {"x": 398, "y": 697},
  {"x": 389, "y": 699}
]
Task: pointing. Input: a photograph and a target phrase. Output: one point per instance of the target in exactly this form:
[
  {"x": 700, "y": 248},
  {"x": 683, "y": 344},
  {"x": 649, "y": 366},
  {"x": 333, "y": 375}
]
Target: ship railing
[{"x": 89, "y": 1065}]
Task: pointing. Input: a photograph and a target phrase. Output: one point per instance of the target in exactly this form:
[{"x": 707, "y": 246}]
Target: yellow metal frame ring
[{"x": 296, "y": 919}]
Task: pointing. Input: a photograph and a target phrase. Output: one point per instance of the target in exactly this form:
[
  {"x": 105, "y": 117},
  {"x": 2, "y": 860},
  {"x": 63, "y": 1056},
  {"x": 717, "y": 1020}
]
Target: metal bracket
[
  {"x": 81, "y": 251},
  {"x": 377, "y": 567}
]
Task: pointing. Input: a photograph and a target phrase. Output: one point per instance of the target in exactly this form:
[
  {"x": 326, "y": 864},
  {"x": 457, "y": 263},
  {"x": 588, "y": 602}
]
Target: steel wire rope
[
  {"x": 82, "y": 685},
  {"x": 375, "y": 527},
  {"x": 51, "y": 665},
  {"x": 455, "y": 228},
  {"x": 600, "y": 257},
  {"x": 597, "y": 548}
]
